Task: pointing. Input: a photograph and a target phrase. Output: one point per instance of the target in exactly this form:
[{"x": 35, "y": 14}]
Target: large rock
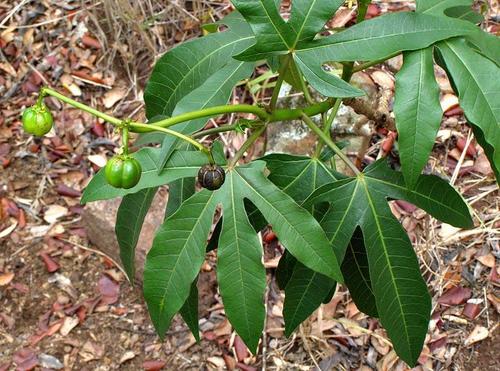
[
  {"x": 99, "y": 220},
  {"x": 295, "y": 137}
]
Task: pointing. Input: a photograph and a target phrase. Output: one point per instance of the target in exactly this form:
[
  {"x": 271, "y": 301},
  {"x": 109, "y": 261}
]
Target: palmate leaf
[
  {"x": 305, "y": 289},
  {"x": 478, "y": 92},
  {"x": 176, "y": 256},
  {"x": 402, "y": 301},
  {"x": 438, "y": 7},
  {"x": 275, "y": 37},
  {"x": 215, "y": 91},
  {"x": 375, "y": 39},
  {"x": 187, "y": 66},
  {"x": 417, "y": 110},
  {"x": 182, "y": 164}
]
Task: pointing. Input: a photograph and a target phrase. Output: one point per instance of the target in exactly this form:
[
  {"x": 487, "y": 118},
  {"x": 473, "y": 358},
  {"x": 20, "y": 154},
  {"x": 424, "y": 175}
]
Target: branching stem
[{"x": 329, "y": 142}]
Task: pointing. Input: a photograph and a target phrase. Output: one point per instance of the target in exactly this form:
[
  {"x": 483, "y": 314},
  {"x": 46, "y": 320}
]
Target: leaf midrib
[
  {"x": 188, "y": 238},
  {"x": 386, "y": 256},
  {"x": 306, "y": 18}
]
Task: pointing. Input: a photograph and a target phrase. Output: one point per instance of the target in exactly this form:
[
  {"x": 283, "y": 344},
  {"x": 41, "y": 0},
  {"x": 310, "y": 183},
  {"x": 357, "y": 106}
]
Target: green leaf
[
  {"x": 304, "y": 293},
  {"x": 176, "y": 257},
  {"x": 179, "y": 246},
  {"x": 272, "y": 33},
  {"x": 182, "y": 164},
  {"x": 187, "y": 66},
  {"x": 215, "y": 91},
  {"x": 325, "y": 83},
  {"x": 189, "y": 311},
  {"x": 434, "y": 7},
  {"x": 402, "y": 300},
  {"x": 464, "y": 12},
  {"x": 309, "y": 16},
  {"x": 357, "y": 275},
  {"x": 418, "y": 111},
  {"x": 295, "y": 227},
  {"x": 240, "y": 272},
  {"x": 478, "y": 92},
  {"x": 380, "y": 37},
  {"x": 178, "y": 192},
  {"x": 284, "y": 269},
  {"x": 129, "y": 220},
  {"x": 489, "y": 45},
  {"x": 305, "y": 289}
]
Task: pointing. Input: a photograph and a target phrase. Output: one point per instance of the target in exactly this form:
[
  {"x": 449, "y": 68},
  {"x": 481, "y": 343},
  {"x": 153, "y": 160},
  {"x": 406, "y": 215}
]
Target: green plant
[{"x": 336, "y": 228}]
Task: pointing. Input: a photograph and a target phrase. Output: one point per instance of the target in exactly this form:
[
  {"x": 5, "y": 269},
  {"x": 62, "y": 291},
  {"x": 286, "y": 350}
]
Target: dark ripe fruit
[
  {"x": 123, "y": 172},
  {"x": 37, "y": 120},
  {"x": 211, "y": 177}
]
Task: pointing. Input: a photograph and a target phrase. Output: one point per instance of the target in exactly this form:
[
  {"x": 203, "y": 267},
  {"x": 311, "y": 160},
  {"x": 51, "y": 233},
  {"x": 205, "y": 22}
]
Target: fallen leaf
[
  {"x": 98, "y": 160},
  {"x": 471, "y": 310},
  {"x": 240, "y": 348},
  {"x": 54, "y": 213},
  {"x": 69, "y": 324},
  {"x": 487, "y": 260},
  {"x": 455, "y": 296},
  {"x": 112, "y": 96},
  {"x": 127, "y": 356},
  {"x": 6, "y": 278},
  {"x": 478, "y": 333},
  {"x": 109, "y": 289},
  {"x": 153, "y": 365}
]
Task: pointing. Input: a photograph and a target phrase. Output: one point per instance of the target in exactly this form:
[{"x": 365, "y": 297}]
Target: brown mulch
[{"x": 64, "y": 304}]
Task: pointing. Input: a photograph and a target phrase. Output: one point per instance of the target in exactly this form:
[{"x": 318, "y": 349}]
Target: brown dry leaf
[
  {"x": 91, "y": 351},
  {"x": 223, "y": 328},
  {"x": 449, "y": 101},
  {"x": 54, "y": 213},
  {"x": 455, "y": 296},
  {"x": 478, "y": 333},
  {"x": 153, "y": 365},
  {"x": 482, "y": 165},
  {"x": 487, "y": 260},
  {"x": 113, "y": 96},
  {"x": 6, "y": 278},
  {"x": 99, "y": 160},
  {"x": 495, "y": 301},
  {"x": 69, "y": 324},
  {"x": 217, "y": 362},
  {"x": 109, "y": 289},
  {"x": 387, "y": 363},
  {"x": 342, "y": 16},
  {"x": 127, "y": 356}
]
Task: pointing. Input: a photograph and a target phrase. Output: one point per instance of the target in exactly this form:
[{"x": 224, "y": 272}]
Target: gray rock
[
  {"x": 296, "y": 138},
  {"x": 99, "y": 220}
]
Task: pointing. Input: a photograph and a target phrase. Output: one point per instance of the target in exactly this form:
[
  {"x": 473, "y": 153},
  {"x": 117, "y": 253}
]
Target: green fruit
[
  {"x": 211, "y": 177},
  {"x": 37, "y": 120},
  {"x": 123, "y": 172}
]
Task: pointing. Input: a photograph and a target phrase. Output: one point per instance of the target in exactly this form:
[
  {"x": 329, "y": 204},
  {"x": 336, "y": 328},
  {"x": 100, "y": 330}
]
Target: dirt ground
[{"x": 64, "y": 305}]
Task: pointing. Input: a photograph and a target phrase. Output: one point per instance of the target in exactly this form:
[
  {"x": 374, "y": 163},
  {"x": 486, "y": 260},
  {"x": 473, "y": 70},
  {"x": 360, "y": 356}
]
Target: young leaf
[
  {"x": 478, "y": 92},
  {"x": 176, "y": 257},
  {"x": 357, "y": 275},
  {"x": 129, "y": 220},
  {"x": 402, "y": 300},
  {"x": 215, "y": 91},
  {"x": 418, "y": 111},
  {"x": 308, "y": 17},
  {"x": 188, "y": 65},
  {"x": 182, "y": 164}
]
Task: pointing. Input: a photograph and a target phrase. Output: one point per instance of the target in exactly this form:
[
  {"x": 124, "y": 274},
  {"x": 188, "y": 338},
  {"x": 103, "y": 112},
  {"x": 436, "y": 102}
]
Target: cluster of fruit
[{"x": 122, "y": 171}]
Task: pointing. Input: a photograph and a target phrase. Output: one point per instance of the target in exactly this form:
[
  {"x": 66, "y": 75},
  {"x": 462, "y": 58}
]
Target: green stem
[
  {"x": 142, "y": 128},
  {"x": 125, "y": 136},
  {"x": 217, "y": 130},
  {"x": 307, "y": 95},
  {"x": 328, "y": 125},
  {"x": 83, "y": 107},
  {"x": 326, "y": 138},
  {"x": 279, "y": 82},
  {"x": 251, "y": 139},
  {"x": 366, "y": 65}
]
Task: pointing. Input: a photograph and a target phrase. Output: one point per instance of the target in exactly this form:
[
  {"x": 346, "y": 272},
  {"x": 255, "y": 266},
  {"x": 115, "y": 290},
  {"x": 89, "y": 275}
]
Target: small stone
[{"x": 48, "y": 361}]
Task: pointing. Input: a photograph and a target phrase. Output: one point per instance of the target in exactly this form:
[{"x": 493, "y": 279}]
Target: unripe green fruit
[
  {"x": 123, "y": 172},
  {"x": 37, "y": 120},
  {"x": 211, "y": 177}
]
